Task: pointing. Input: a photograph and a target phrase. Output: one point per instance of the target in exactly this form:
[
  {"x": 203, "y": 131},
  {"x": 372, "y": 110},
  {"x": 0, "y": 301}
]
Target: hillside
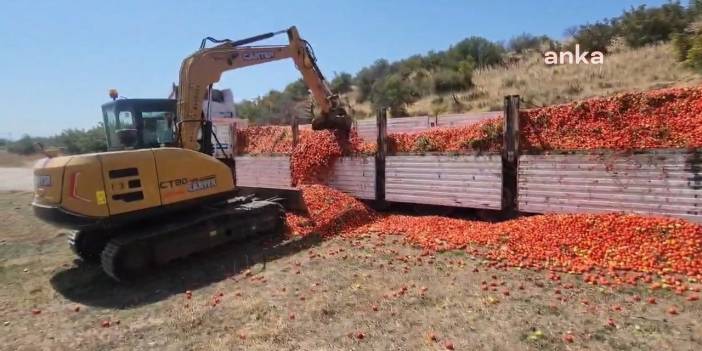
[{"x": 639, "y": 69}]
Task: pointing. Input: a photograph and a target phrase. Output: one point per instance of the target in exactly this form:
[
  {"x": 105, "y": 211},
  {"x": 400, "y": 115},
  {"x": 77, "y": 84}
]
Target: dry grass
[
  {"x": 640, "y": 69},
  {"x": 311, "y": 295},
  {"x": 626, "y": 70},
  {"x": 8, "y": 159}
]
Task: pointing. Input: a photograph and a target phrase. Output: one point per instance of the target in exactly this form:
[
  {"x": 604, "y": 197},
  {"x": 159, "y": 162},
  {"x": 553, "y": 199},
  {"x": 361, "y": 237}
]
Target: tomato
[{"x": 568, "y": 337}]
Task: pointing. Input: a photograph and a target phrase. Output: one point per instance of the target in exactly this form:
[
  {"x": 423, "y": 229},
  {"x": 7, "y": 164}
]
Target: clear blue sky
[{"x": 59, "y": 58}]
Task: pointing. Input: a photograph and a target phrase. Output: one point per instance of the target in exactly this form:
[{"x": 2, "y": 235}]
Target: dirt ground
[
  {"x": 16, "y": 171},
  {"x": 8, "y": 159},
  {"x": 369, "y": 293}
]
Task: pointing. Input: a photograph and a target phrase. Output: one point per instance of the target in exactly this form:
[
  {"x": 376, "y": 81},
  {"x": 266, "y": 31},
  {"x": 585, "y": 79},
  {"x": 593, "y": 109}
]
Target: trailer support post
[
  {"x": 294, "y": 124},
  {"x": 381, "y": 152},
  {"x": 510, "y": 155}
]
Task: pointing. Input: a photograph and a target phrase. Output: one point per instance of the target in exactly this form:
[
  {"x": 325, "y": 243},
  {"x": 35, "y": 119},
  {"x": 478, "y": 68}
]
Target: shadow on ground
[{"x": 88, "y": 285}]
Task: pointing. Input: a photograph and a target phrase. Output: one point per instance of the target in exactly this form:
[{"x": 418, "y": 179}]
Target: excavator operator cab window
[
  {"x": 157, "y": 128},
  {"x": 127, "y": 135},
  {"x": 139, "y": 123}
]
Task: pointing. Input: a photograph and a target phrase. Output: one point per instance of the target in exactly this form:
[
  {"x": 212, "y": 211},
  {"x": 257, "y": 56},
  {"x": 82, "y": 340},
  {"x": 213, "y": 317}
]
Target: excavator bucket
[{"x": 341, "y": 122}]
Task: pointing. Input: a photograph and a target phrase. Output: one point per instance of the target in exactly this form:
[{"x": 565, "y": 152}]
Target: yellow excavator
[{"x": 162, "y": 195}]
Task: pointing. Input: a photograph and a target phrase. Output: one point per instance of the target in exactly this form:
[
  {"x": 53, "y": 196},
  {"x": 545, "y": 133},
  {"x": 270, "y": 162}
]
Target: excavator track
[
  {"x": 137, "y": 250},
  {"x": 87, "y": 245}
]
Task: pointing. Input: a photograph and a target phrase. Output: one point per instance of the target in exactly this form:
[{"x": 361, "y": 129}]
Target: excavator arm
[{"x": 205, "y": 67}]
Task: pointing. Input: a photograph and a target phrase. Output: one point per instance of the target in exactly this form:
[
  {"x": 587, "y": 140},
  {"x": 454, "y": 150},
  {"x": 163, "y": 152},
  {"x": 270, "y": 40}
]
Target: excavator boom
[{"x": 205, "y": 67}]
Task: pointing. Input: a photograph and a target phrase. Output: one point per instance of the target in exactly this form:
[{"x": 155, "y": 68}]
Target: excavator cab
[{"x": 139, "y": 123}]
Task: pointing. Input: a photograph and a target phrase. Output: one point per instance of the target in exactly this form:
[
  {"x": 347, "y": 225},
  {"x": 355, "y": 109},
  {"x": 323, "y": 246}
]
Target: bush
[
  {"x": 341, "y": 84},
  {"x": 462, "y": 57},
  {"x": 421, "y": 81},
  {"x": 449, "y": 81},
  {"x": 72, "y": 141},
  {"x": 525, "y": 42},
  {"x": 642, "y": 26},
  {"x": 296, "y": 91},
  {"x": 638, "y": 27},
  {"x": 694, "y": 54},
  {"x": 393, "y": 93},
  {"x": 688, "y": 46},
  {"x": 480, "y": 50},
  {"x": 593, "y": 37},
  {"x": 681, "y": 45},
  {"x": 251, "y": 110},
  {"x": 366, "y": 77},
  {"x": 79, "y": 141},
  {"x": 23, "y": 146}
]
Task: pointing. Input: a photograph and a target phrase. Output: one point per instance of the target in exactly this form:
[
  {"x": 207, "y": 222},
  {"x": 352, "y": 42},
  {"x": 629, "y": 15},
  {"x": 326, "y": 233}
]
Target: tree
[
  {"x": 297, "y": 90},
  {"x": 681, "y": 44},
  {"x": 23, "y": 146},
  {"x": 248, "y": 109},
  {"x": 482, "y": 51},
  {"x": 72, "y": 141},
  {"x": 526, "y": 41},
  {"x": 394, "y": 93},
  {"x": 465, "y": 69},
  {"x": 593, "y": 37},
  {"x": 366, "y": 77},
  {"x": 446, "y": 81},
  {"x": 694, "y": 8},
  {"x": 694, "y": 54},
  {"x": 421, "y": 81},
  {"x": 276, "y": 106},
  {"x": 341, "y": 84},
  {"x": 80, "y": 141},
  {"x": 642, "y": 26}
]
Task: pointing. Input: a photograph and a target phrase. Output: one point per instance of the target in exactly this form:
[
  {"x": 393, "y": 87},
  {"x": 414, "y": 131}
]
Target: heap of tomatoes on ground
[{"x": 575, "y": 243}]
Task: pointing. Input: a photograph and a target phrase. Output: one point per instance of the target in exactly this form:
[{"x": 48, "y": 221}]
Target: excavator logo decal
[
  {"x": 173, "y": 183},
  {"x": 194, "y": 184},
  {"x": 256, "y": 56},
  {"x": 202, "y": 183}
]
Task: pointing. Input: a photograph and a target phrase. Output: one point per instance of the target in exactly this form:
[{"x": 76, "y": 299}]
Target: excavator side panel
[
  {"x": 83, "y": 187},
  {"x": 186, "y": 175},
  {"x": 131, "y": 181},
  {"x": 48, "y": 180}
]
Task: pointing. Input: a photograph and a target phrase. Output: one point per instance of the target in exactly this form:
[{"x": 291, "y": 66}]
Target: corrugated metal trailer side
[
  {"x": 263, "y": 172},
  {"x": 658, "y": 183},
  {"x": 355, "y": 176},
  {"x": 473, "y": 181}
]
